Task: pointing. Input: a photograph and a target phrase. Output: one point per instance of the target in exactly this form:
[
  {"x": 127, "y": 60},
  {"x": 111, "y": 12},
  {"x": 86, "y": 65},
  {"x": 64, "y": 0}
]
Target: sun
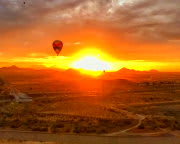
[{"x": 91, "y": 62}]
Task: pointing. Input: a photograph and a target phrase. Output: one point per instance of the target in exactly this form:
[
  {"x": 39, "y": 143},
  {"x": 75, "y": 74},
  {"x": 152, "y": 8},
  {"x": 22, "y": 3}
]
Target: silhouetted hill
[
  {"x": 16, "y": 73},
  {"x": 153, "y": 71},
  {"x": 13, "y": 67},
  {"x": 125, "y": 70},
  {"x": 134, "y": 75}
]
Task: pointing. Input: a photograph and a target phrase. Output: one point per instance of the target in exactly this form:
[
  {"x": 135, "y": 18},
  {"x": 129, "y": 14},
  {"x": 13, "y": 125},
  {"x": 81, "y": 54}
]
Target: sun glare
[{"x": 90, "y": 62}]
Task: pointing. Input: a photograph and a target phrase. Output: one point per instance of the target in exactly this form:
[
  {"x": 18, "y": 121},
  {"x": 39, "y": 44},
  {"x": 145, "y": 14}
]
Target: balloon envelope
[{"x": 57, "y": 46}]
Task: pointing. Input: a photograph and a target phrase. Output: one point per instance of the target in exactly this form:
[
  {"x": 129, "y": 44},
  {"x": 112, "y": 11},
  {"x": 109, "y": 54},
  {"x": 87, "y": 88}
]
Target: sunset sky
[{"x": 108, "y": 34}]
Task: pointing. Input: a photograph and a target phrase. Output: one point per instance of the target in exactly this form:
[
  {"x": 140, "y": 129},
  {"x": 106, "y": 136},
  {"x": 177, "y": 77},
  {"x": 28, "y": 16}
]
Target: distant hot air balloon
[{"x": 57, "y": 46}]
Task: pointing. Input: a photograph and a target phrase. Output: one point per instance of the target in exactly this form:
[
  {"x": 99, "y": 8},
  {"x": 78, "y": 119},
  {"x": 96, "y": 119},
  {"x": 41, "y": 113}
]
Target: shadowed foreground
[
  {"x": 22, "y": 142},
  {"x": 84, "y": 139}
]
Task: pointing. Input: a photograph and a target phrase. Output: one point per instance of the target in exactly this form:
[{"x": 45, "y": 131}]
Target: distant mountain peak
[
  {"x": 124, "y": 69},
  {"x": 14, "y": 67},
  {"x": 153, "y": 70},
  {"x": 11, "y": 67}
]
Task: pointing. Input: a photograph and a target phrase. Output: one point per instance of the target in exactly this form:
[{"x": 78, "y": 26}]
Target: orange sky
[{"x": 137, "y": 34}]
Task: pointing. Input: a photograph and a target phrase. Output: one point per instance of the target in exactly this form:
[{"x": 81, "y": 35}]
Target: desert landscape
[
  {"x": 89, "y": 72},
  {"x": 104, "y": 106}
]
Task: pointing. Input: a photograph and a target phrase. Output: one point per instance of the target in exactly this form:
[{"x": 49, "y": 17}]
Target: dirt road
[
  {"x": 140, "y": 118},
  {"x": 84, "y": 139}
]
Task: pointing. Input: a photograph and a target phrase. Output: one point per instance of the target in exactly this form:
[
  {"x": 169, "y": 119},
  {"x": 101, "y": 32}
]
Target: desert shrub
[
  {"x": 39, "y": 128},
  {"x": 82, "y": 129},
  {"x": 3, "y": 122},
  {"x": 141, "y": 126},
  {"x": 127, "y": 121},
  {"x": 31, "y": 121},
  {"x": 67, "y": 129},
  {"x": 2, "y": 82},
  {"x": 177, "y": 126},
  {"x": 101, "y": 130},
  {"x": 113, "y": 110},
  {"x": 76, "y": 129},
  {"x": 53, "y": 128},
  {"x": 35, "y": 124},
  {"x": 91, "y": 130},
  {"x": 18, "y": 109},
  {"x": 16, "y": 123},
  {"x": 159, "y": 122},
  {"x": 122, "y": 122},
  {"x": 103, "y": 122},
  {"x": 59, "y": 124},
  {"x": 149, "y": 124}
]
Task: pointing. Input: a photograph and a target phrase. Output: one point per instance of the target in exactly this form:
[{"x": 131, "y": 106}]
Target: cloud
[
  {"x": 41, "y": 21},
  {"x": 16, "y": 14},
  {"x": 36, "y": 55},
  {"x": 153, "y": 20},
  {"x": 137, "y": 18}
]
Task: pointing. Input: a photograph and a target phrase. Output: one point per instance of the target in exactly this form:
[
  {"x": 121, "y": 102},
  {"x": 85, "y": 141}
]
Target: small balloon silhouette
[{"x": 57, "y": 46}]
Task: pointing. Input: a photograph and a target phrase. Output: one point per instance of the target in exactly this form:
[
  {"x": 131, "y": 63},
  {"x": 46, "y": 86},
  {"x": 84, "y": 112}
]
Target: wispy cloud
[{"x": 37, "y": 55}]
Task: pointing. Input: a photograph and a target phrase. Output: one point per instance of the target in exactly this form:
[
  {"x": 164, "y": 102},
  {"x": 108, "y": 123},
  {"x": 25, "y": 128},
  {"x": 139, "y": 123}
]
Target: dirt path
[
  {"x": 85, "y": 139},
  {"x": 140, "y": 118}
]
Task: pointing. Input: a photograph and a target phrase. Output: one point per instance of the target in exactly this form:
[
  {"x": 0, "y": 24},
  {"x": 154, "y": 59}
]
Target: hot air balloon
[{"x": 57, "y": 46}]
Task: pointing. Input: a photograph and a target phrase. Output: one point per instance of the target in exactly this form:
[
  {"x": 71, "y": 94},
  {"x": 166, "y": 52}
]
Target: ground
[{"x": 94, "y": 106}]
